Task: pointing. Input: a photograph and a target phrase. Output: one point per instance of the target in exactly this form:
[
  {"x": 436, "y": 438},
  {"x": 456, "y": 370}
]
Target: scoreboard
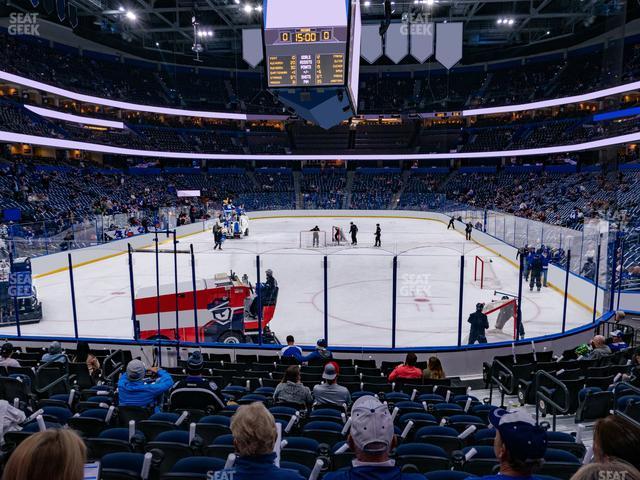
[{"x": 305, "y": 43}]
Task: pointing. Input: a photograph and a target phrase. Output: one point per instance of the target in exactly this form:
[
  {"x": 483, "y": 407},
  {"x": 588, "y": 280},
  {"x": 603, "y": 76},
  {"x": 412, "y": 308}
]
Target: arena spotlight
[
  {"x": 121, "y": 8},
  {"x": 511, "y": 21},
  {"x": 367, "y": 3},
  {"x": 130, "y": 15},
  {"x": 499, "y": 21},
  {"x": 247, "y": 8}
]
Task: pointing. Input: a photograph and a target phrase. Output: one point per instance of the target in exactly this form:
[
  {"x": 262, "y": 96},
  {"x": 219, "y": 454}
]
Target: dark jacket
[
  {"x": 258, "y": 467},
  {"x": 479, "y": 322}
]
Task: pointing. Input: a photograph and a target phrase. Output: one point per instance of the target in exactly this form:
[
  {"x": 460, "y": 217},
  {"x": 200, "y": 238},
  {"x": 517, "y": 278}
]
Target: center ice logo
[{"x": 415, "y": 285}]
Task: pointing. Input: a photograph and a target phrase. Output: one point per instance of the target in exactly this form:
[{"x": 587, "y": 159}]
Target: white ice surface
[{"x": 359, "y": 281}]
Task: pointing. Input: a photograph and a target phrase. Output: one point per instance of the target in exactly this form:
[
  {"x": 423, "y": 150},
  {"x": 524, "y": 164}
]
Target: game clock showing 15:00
[
  {"x": 306, "y": 35},
  {"x": 306, "y": 57}
]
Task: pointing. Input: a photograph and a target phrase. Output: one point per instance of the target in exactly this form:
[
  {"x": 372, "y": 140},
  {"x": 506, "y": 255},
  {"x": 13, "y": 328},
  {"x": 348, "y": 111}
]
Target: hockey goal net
[
  {"x": 337, "y": 236},
  {"x": 502, "y": 316},
  {"x": 483, "y": 273},
  {"x": 311, "y": 239}
]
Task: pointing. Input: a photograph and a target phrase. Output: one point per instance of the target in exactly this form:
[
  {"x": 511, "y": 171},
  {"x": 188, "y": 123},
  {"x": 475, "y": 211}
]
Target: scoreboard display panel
[{"x": 305, "y": 42}]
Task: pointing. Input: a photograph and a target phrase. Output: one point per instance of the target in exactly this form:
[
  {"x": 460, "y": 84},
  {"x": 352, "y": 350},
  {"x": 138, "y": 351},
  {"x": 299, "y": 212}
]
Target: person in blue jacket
[
  {"x": 291, "y": 350},
  {"x": 321, "y": 352},
  {"x": 545, "y": 266},
  {"x": 134, "y": 391},
  {"x": 254, "y": 436},
  {"x": 371, "y": 438}
]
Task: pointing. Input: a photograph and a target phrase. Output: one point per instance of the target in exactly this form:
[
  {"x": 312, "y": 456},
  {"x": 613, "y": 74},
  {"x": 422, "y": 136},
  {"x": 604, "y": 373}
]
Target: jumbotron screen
[{"x": 306, "y": 42}]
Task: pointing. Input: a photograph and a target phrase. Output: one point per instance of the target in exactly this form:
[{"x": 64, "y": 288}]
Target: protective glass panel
[
  {"x": 428, "y": 294},
  {"x": 360, "y": 298},
  {"x": 102, "y": 292}
]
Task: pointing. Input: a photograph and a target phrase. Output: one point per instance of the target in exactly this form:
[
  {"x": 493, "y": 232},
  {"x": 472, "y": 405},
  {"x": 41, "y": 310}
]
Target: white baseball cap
[{"x": 371, "y": 425}]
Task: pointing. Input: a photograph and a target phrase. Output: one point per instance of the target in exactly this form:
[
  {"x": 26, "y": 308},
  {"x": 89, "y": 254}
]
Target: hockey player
[
  {"x": 545, "y": 266},
  {"x": 353, "y": 230},
  {"x": 535, "y": 270},
  {"x": 378, "y": 234},
  {"x": 217, "y": 235},
  {"x": 316, "y": 236},
  {"x": 451, "y": 224},
  {"x": 504, "y": 316},
  {"x": 479, "y": 324},
  {"x": 467, "y": 230}
]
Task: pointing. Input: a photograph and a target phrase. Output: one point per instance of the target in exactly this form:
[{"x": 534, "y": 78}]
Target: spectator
[
  {"x": 291, "y": 350},
  {"x": 320, "y": 353},
  {"x": 434, "y": 370},
  {"x": 599, "y": 348},
  {"x": 609, "y": 470},
  {"x": 406, "y": 370},
  {"x": 55, "y": 354},
  {"x": 371, "y": 438},
  {"x": 620, "y": 316},
  {"x": 194, "y": 380},
  {"x": 291, "y": 390},
  {"x": 84, "y": 355},
  {"x": 52, "y": 454},
  {"x": 589, "y": 269},
  {"x": 617, "y": 342},
  {"x": 6, "y": 351},
  {"x": 330, "y": 392},
  {"x": 254, "y": 435},
  {"x": 134, "y": 391},
  {"x": 615, "y": 438},
  {"x": 519, "y": 444}
]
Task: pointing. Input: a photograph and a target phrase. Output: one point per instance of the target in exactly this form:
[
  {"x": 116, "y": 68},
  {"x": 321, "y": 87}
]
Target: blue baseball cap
[{"x": 523, "y": 438}]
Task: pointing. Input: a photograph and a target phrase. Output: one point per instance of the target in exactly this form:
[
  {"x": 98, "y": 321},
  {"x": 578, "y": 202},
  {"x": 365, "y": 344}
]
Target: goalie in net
[{"x": 500, "y": 313}]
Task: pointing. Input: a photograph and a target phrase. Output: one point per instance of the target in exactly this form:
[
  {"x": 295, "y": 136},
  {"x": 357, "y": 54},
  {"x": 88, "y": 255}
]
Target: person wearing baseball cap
[
  {"x": 55, "y": 354},
  {"x": 134, "y": 391},
  {"x": 320, "y": 353},
  {"x": 371, "y": 438},
  {"x": 519, "y": 444},
  {"x": 183, "y": 390},
  {"x": 618, "y": 342},
  {"x": 329, "y": 392}
]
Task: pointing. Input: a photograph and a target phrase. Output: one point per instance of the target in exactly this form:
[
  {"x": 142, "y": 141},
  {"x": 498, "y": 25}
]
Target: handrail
[
  {"x": 64, "y": 378},
  {"x": 501, "y": 386},
  {"x": 605, "y": 328},
  {"x": 541, "y": 396},
  {"x": 620, "y": 413},
  {"x": 117, "y": 367}
]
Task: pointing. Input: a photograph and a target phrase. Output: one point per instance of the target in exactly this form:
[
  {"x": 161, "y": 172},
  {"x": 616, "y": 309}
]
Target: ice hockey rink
[{"x": 360, "y": 284}]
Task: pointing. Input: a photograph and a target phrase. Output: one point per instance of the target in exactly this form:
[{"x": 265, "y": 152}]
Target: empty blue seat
[{"x": 196, "y": 465}]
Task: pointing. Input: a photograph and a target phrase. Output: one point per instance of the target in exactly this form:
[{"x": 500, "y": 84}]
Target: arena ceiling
[{"x": 502, "y": 27}]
